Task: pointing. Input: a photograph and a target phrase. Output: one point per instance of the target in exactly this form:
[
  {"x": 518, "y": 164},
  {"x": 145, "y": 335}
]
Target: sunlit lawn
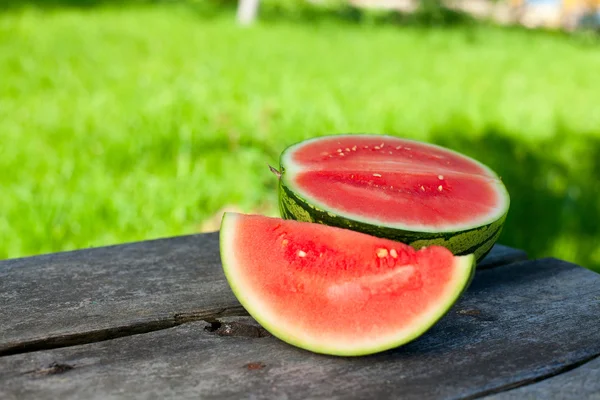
[{"x": 127, "y": 124}]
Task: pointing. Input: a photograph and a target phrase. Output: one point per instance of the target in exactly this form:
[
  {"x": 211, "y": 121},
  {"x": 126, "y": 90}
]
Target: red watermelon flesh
[
  {"x": 395, "y": 182},
  {"x": 337, "y": 291}
]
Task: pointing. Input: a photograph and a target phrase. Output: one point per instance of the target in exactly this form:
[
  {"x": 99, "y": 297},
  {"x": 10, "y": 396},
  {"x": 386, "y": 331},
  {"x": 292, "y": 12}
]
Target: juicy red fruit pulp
[
  {"x": 395, "y": 181},
  {"x": 347, "y": 283}
]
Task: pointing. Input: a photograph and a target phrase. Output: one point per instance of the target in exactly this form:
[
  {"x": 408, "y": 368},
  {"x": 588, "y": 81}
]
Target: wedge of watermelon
[
  {"x": 413, "y": 192},
  {"x": 337, "y": 291}
]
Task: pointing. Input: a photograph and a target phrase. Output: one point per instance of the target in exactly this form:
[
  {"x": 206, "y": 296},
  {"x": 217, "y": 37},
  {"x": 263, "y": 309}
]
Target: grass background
[{"x": 129, "y": 123}]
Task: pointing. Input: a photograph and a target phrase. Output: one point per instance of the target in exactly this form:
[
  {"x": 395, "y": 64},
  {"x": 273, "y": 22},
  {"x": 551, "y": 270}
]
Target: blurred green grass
[{"x": 131, "y": 123}]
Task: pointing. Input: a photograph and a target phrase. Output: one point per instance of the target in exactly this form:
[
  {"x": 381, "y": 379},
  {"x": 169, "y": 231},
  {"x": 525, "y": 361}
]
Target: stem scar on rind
[{"x": 275, "y": 171}]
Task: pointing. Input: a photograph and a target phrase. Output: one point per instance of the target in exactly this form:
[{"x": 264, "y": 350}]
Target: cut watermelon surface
[
  {"x": 337, "y": 291},
  {"x": 409, "y": 191}
]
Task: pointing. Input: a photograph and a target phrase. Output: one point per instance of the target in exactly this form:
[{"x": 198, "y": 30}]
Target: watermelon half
[
  {"x": 337, "y": 291},
  {"x": 414, "y": 192}
]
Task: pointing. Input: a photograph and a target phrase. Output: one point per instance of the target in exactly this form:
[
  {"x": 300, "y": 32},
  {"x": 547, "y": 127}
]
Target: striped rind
[
  {"x": 478, "y": 240},
  {"x": 464, "y": 267}
]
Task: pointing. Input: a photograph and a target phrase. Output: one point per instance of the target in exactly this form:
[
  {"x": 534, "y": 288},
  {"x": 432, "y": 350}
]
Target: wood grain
[
  {"x": 90, "y": 295},
  {"x": 516, "y": 324},
  {"x": 84, "y": 296},
  {"x": 582, "y": 382}
]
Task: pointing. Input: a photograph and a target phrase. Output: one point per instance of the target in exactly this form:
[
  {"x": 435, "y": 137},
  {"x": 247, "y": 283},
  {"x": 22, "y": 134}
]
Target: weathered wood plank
[
  {"x": 515, "y": 324},
  {"x": 582, "y": 382},
  {"x": 84, "y": 296},
  {"x": 90, "y": 295}
]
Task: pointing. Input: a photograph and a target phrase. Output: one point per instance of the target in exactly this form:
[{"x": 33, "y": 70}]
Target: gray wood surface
[
  {"x": 501, "y": 255},
  {"x": 516, "y": 324},
  {"x": 582, "y": 382},
  {"x": 85, "y": 296},
  {"x": 90, "y": 295}
]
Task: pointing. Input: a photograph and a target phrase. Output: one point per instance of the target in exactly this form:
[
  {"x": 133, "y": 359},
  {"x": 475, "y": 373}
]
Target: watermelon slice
[
  {"x": 409, "y": 191},
  {"x": 337, "y": 291}
]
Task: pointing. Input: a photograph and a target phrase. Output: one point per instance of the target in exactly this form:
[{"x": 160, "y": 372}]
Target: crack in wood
[
  {"x": 52, "y": 369},
  {"x": 235, "y": 311},
  {"x": 531, "y": 381},
  {"x": 99, "y": 335},
  {"x": 234, "y": 328}
]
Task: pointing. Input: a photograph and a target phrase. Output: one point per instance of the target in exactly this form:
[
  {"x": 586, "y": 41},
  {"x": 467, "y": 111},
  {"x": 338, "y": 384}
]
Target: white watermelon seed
[
  {"x": 377, "y": 147},
  {"x": 393, "y": 253},
  {"x": 377, "y": 175},
  {"x": 301, "y": 253},
  {"x": 381, "y": 253},
  {"x": 284, "y": 242},
  {"x": 440, "y": 188},
  {"x": 353, "y": 148},
  {"x": 347, "y": 149},
  {"x": 398, "y": 148},
  {"x": 339, "y": 150},
  {"x": 422, "y": 188},
  {"x": 381, "y": 145},
  {"x": 441, "y": 177}
]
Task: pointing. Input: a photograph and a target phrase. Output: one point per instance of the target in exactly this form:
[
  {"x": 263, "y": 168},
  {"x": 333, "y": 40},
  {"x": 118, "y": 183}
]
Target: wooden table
[{"x": 156, "y": 319}]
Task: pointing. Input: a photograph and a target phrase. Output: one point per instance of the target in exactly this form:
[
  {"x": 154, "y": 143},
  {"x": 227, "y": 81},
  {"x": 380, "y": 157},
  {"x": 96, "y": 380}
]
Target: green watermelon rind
[
  {"x": 477, "y": 239},
  {"x": 466, "y": 271}
]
